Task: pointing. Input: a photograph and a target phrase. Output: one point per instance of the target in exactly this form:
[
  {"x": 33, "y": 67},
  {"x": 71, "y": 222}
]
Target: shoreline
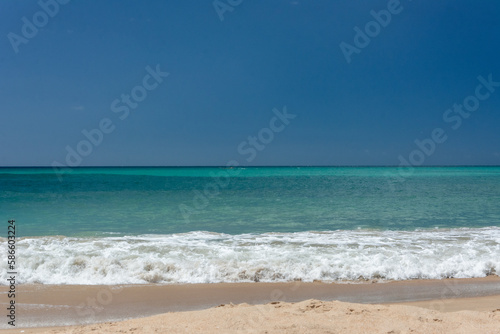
[
  {"x": 39, "y": 306},
  {"x": 461, "y": 316}
]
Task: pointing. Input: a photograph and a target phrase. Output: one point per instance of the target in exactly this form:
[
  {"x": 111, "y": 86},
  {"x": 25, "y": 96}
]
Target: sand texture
[{"x": 310, "y": 316}]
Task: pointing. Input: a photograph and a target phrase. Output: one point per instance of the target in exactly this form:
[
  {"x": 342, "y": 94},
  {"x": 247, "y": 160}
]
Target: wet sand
[{"x": 54, "y": 305}]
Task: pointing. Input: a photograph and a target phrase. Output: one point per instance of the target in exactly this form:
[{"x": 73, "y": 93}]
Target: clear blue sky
[{"x": 226, "y": 76}]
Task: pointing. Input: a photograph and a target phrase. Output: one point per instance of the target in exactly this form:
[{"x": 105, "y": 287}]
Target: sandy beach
[
  {"x": 418, "y": 306},
  {"x": 310, "y": 316}
]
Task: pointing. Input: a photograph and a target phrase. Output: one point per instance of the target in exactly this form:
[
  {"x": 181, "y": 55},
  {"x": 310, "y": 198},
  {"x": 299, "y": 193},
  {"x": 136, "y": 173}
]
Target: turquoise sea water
[
  {"x": 132, "y": 201},
  {"x": 171, "y": 225}
]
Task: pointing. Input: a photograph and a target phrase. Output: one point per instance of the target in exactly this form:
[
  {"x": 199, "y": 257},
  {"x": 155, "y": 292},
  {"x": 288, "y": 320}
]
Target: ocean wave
[{"x": 206, "y": 257}]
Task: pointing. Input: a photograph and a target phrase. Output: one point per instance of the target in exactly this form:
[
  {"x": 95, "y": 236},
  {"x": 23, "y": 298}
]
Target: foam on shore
[{"x": 204, "y": 257}]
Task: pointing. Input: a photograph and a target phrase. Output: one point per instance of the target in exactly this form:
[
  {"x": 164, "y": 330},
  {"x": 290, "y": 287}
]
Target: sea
[{"x": 171, "y": 225}]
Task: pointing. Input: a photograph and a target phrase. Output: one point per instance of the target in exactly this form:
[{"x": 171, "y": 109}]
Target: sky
[{"x": 198, "y": 83}]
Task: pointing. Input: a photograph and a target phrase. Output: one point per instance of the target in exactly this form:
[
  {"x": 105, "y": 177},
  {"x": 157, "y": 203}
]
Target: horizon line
[{"x": 244, "y": 166}]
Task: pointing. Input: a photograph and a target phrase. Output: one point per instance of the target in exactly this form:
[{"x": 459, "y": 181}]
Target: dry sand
[
  {"x": 430, "y": 306},
  {"x": 311, "y": 316}
]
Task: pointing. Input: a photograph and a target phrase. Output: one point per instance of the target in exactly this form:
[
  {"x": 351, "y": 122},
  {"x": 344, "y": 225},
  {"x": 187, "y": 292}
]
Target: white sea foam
[{"x": 203, "y": 257}]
